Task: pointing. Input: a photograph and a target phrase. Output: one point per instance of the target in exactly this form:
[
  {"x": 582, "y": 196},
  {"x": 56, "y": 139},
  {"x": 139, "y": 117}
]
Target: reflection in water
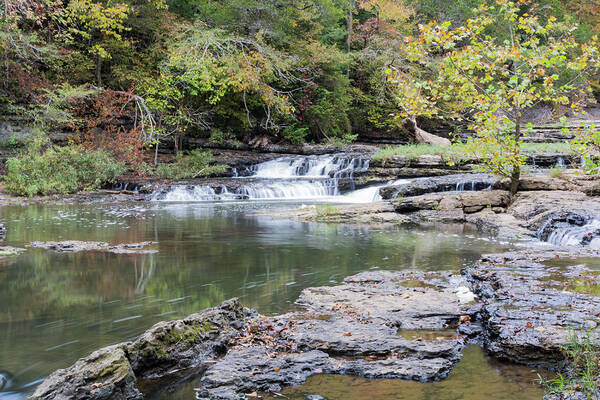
[
  {"x": 55, "y": 308},
  {"x": 476, "y": 377}
]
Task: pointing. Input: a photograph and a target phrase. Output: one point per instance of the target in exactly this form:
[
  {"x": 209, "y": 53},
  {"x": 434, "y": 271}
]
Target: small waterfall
[
  {"x": 560, "y": 162},
  {"x": 336, "y": 166},
  {"x": 472, "y": 186},
  {"x": 5, "y": 381},
  {"x": 586, "y": 235},
  {"x": 189, "y": 193},
  {"x": 289, "y": 190},
  {"x": 286, "y": 178}
]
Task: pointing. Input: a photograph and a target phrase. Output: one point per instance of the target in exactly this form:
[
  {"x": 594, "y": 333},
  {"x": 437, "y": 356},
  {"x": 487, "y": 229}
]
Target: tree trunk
[
  {"x": 349, "y": 31},
  {"x": 421, "y": 136},
  {"x": 99, "y": 71},
  {"x": 516, "y": 172},
  {"x": 156, "y": 152}
]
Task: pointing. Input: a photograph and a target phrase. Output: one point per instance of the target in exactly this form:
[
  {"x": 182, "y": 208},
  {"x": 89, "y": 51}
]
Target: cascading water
[
  {"x": 289, "y": 178},
  {"x": 586, "y": 235}
]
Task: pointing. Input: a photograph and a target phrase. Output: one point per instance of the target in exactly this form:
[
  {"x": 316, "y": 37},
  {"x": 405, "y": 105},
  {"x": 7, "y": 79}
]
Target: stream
[{"x": 58, "y": 307}]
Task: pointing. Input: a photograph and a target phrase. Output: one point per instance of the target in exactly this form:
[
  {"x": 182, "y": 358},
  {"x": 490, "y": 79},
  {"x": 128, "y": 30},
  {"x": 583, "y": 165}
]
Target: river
[{"x": 58, "y": 307}]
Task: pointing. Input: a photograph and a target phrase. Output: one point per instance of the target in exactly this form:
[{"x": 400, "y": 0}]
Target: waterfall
[
  {"x": 328, "y": 166},
  {"x": 285, "y": 178},
  {"x": 573, "y": 235}
]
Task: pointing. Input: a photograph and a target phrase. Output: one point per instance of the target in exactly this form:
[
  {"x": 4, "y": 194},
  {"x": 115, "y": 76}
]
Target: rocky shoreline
[
  {"x": 520, "y": 306},
  {"x": 406, "y": 325}
]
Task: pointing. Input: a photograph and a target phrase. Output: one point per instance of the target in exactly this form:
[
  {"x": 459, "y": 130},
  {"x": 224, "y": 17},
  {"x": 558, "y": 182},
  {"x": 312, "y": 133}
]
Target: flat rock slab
[
  {"x": 533, "y": 299},
  {"x": 74, "y": 246},
  {"x": 448, "y": 183},
  {"x": 378, "y": 213},
  {"x": 467, "y": 202},
  {"x": 355, "y": 328},
  {"x": 7, "y": 251},
  {"x": 371, "y": 326}
]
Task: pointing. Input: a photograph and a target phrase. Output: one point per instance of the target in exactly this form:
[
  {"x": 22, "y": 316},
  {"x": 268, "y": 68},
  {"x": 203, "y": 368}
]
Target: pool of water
[
  {"x": 476, "y": 377},
  {"x": 56, "y": 308}
]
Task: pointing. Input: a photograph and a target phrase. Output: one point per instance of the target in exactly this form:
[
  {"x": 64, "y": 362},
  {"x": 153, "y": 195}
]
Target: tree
[{"x": 498, "y": 77}]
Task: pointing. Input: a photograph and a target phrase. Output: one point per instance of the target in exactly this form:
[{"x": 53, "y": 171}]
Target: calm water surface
[{"x": 56, "y": 308}]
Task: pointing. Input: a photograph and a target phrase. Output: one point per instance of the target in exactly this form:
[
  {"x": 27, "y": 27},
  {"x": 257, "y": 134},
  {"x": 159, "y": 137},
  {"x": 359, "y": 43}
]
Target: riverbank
[
  {"x": 402, "y": 325},
  {"x": 560, "y": 210}
]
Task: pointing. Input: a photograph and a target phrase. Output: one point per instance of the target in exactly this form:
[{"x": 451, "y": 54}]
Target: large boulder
[
  {"x": 169, "y": 351},
  {"x": 104, "y": 374}
]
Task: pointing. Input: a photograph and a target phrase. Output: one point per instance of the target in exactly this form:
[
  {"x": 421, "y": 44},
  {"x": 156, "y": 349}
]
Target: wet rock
[
  {"x": 5, "y": 380},
  {"x": 469, "y": 202},
  {"x": 172, "y": 346},
  {"x": 105, "y": 374},
  {"x": 498, "y": 223},
  {"x": 74, "y": 246},
  {"x": 379, "y": 213},
  {"x": 562, "y": 220},
  {"x": 247, "y": 370},
  {"x": 169, "y": 351},
  {"x": 2, "y": 232},
  {"x": 567, "y": 396},
  {"x": 8, "y": 251},
  {"x": 381, "y": 296},
  {"x": 347, "y": 329},
  {"x": 361, "y": 328},
  {"x": 455, "y": 182},
  {"x": 530, "y": 304}
]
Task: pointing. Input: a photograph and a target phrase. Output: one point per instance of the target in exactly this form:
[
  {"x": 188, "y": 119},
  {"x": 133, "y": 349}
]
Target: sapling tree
[{"x": 505, "y": 60}]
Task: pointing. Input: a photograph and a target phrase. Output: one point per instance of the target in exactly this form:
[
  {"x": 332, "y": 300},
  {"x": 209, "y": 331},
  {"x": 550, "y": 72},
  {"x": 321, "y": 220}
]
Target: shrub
[
  {"x": 40, "y": 170},
  {"x": 556, "y": 172},
  {"x": 583, "y": 367},
  {"x": 414, "y": 151},
  {"x": 327, "y": 210},
  {"x": 195, "y": 165}
]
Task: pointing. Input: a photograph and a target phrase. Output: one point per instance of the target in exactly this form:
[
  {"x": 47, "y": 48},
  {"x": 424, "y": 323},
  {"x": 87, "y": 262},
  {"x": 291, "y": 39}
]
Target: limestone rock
[
  {"x": 105, "y": 374},
  {"x": 531, "y": 301}
]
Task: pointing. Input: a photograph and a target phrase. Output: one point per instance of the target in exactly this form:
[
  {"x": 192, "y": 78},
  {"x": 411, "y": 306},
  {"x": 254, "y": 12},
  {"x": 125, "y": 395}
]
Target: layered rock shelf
[{"x": 362, "y": 328}]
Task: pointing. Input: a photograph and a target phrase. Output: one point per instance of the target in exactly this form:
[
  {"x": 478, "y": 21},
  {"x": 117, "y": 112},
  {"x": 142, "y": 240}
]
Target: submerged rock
[
  {"x": 7, "y": 251},
  {"x": 531, "y": 302},
  {"x": 74, "y": 246}
]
